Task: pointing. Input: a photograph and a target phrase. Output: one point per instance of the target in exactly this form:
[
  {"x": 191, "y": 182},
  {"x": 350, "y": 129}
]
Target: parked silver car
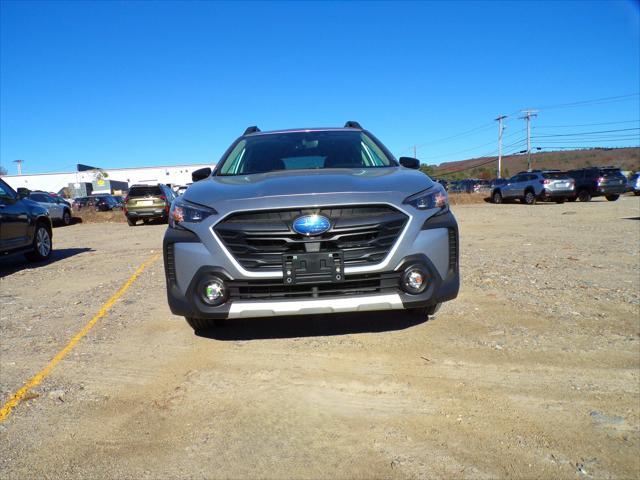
[
  {"x": 633, "y": 184},
  {"x": 309, "y": 222},
  {"x": 59, "y": 210},
  {"x": 532, "y": 186}
]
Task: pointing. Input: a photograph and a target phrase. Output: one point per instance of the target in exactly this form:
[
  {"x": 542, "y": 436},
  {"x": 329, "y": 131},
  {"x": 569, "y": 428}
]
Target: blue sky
[{"x": 117, "y": 84}]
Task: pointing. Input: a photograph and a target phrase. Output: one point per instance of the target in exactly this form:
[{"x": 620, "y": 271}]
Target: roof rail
[
  {"x": 352, "y": 124},
  {"x": 252, "y": 129}
]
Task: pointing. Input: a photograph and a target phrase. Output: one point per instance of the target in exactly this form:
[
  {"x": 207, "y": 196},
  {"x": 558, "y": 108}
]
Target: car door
[
  {"x": 517, "y": 189},
  {"x": 55, "y": 208},
  {"x": 508, "y": 188},
  {"x": 14, "y": 219}
]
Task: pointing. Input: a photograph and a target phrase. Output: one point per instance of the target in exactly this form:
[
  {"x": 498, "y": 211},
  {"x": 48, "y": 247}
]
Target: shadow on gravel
[
  {"x": 14, "y": 263},
  {"x": 312, "y": 325}
]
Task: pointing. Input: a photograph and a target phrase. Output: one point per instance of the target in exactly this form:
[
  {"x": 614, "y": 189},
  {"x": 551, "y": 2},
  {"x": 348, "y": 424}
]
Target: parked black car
[
  {"x": 25, "y": 226},
  {"x": 591, "y": 182},
  {"x": 105, "y": 203}
]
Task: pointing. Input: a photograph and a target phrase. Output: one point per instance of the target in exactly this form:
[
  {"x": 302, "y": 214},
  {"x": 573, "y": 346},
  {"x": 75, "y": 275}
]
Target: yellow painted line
[{"x": 42, "y": 374}]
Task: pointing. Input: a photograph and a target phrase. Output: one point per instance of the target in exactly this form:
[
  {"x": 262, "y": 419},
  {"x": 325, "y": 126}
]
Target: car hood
[{"x": 397, "y": 180}]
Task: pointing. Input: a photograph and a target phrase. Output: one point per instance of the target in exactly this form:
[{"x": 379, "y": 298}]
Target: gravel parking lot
[{"x": 532, "y": 372}]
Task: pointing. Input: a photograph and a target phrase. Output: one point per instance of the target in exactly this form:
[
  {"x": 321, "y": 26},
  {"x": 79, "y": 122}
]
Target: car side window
[{"x": 6, "y": 193}]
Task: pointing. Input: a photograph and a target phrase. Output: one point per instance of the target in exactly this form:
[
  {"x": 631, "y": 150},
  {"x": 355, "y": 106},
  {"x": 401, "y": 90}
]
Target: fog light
[
  {"x": 414, "y": 280},
  {"x": 213, "y": 292}
]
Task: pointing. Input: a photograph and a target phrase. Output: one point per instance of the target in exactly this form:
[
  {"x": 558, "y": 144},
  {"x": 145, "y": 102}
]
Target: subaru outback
[
  {"x": 309, "y": 222},
  {"x": 535, "y": 185}
]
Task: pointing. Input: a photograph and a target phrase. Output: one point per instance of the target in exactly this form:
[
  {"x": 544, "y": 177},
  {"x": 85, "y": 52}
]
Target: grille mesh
[
  {"x": 453, "y": 250},
  {"x": 365, "y": 234}
]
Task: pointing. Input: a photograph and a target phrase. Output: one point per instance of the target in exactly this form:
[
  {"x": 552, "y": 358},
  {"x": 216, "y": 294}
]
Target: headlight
[
  {"x": 183, "y": 211},
  {"x": 434, "y": 197}
]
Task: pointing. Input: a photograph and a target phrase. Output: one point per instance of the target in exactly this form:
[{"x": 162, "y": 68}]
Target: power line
[
  {"x": 595, "y": 101},
  {"x": 474, "y": 148},
  {"x": 588, "y": 133},
  {"x": 586, "y": 148},
  {"x": 586, "y": 124},
  {"x": 483, "y": 162},
  {"x": 596, "y": 140},
  {"x": 479, "y": 128}
]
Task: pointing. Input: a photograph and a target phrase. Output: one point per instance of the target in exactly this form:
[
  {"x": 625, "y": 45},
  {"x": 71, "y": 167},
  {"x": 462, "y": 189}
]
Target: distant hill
[{"x": 625, "y": 158}]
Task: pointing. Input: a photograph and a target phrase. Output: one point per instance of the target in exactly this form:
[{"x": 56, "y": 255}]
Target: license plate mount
[{"x": 320, "y": 267}]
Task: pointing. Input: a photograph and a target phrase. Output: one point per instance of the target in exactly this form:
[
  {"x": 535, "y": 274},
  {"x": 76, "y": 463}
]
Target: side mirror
[
  {"x": 200, "y": 174},
  {"x": 23, "y": 192},
  {"x": 409, "y": 162}
]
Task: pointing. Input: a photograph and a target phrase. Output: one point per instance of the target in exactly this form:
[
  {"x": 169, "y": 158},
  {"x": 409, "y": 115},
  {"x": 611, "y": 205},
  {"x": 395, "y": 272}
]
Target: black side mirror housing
[
  {"x": 200, "y": 174},
  {"x": 410, "y": 162},
  {"x": 23, "y": 192}
]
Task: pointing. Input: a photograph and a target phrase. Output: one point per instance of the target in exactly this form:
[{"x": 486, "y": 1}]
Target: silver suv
[
  {"x": 529, "y": 187},
  {"x": 306, "y": 222}
]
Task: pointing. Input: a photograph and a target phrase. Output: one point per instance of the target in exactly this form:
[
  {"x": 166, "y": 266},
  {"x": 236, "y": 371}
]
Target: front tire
[
  {"x": 612, "y": 198},
  {"x": 42, "y": 244},
  {"x": 497, "y": 197},
  {"x": 529, "y": 198},
  {"x": 132, "y": 223},
  {"x": 560, "y": 201}
]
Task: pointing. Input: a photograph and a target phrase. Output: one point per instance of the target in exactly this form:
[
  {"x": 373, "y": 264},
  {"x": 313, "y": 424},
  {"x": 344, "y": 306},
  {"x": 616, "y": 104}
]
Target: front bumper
[{"x": 431, "y": 242}]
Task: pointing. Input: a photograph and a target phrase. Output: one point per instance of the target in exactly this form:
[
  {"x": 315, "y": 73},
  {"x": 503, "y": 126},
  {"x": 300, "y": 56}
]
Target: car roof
[{"x": 303, "y": 130}]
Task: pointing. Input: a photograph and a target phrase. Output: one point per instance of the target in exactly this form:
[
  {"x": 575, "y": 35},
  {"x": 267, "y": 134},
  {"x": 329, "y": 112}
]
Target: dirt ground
[{"x": 533, "y": 372}]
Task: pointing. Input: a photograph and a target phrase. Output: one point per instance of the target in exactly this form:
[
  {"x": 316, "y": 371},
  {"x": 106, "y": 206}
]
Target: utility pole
[
  {"x": 415, "y": 152},
  {"x": 500, "y": 130},
  {"x": 527, "y": 116},
  {"x": 19, "y": 166}
]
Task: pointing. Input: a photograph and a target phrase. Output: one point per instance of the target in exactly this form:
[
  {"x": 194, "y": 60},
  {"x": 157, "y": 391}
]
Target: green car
[
  {"x": 148, "y": 202},
  {"x": 25, "y": 226}
]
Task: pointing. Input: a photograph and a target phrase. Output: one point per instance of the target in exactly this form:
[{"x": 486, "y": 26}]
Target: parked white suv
[{"x": 59, "y": 210}]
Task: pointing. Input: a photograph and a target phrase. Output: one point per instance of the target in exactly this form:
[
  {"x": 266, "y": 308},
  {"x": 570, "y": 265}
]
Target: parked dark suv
[
  {"x": 609, "y": 182},
  {"x": 147, "y": 202},
  {"x": 25, "y": 226}
]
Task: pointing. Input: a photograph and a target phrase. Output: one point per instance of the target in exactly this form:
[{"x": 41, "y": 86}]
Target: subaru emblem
[{"x": 309, "y": 225}]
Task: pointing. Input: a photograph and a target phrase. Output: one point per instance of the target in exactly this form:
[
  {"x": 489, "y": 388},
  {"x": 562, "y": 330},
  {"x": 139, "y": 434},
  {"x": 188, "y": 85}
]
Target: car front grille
[
  {"x": 275, "y": 289},
  {"x": 258, "y": 240}
]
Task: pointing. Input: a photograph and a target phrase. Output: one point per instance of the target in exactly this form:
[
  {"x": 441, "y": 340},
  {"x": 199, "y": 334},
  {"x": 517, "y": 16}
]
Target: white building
[{"x": 54, "y": 182}]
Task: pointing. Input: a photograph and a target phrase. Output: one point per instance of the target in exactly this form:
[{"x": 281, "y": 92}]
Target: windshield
[
  {"x": 145, "y": 191},
  {"x": 555, "y": 175},
  {"x": 303, "y": 151}
]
